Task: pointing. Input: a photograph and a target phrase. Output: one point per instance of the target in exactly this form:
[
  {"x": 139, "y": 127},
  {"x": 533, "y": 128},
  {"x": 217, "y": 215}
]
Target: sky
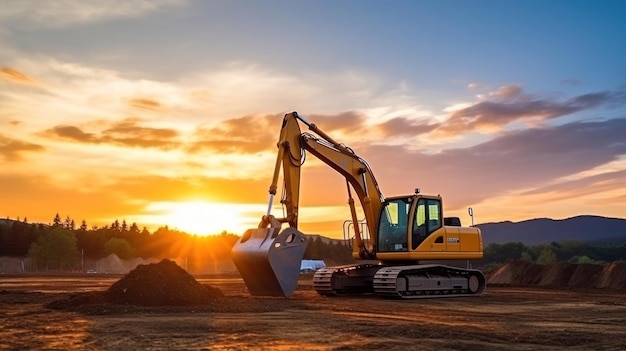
[{"x": 167, "y": 112}]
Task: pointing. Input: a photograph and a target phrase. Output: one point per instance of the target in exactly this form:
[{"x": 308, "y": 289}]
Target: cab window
[
  {"x": 392, "y": 232},
  {"x": 427, "y": 220}
]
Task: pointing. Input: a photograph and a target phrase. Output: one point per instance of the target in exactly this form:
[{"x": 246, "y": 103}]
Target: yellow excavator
[{"x": 402, "y": 244}]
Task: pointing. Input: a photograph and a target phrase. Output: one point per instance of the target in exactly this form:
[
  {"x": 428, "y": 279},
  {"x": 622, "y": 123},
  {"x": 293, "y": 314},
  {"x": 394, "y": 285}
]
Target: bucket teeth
[{"x": 268, "y": 261}]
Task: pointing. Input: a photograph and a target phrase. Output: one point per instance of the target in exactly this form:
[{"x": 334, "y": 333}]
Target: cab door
[{"x": 426, "y": 221}]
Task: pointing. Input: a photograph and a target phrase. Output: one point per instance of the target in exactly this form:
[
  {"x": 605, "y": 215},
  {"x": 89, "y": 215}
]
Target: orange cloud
[
  {"x": 125, "y": 133},
  {"x": 248, "y": 134},
  {"x": 147, "y": 104},
  {"x": 15, "y": 75},
  {"x": 12, "y": 149},
  {"x": 584, "y": 187}
]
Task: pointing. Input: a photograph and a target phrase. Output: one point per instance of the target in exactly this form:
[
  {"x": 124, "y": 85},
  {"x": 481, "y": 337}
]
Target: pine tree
[
  {"x": 56, "y": 222},
  {"x": 67, "y": 223}
]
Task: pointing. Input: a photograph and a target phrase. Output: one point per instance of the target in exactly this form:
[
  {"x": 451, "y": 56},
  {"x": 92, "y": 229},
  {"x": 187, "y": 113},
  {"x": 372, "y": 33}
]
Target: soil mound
[
  {"x": 518, "y": 272},
  {"x": 559, "y": 275},
  {"x": 556, "y": 275},
  {"x": 160, "y": 284},
  {"x": 586, "y": 275},
  {"x": 515, "y": 273},
  {"x": 613, "y": 276}
]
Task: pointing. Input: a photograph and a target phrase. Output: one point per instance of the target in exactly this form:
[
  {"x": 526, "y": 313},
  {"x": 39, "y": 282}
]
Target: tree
[
  {"x": 134, "y": 229},
  {"x": 57, "y": 220},
  {"x": 19, "y": 238},
  {"x": 315, "y": 249},
  {"x": 546, "y": 255},
  {"x": 526, "y": 256},
  {"x": 119, "y": 247},
  {"x": 582, "y": 259},
  {"x": 68, "y": 223},
  {"x": 498, "y": 253},
  {"x": 83, "y": 226},
  {"x": 54, "y": 250}
]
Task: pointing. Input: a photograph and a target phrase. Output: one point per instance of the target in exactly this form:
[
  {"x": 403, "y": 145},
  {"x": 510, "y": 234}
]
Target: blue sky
[{"x": 163, "y": 108}]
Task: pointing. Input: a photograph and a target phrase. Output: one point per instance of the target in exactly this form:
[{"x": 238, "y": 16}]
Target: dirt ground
[{"x": 503, "y": 318}]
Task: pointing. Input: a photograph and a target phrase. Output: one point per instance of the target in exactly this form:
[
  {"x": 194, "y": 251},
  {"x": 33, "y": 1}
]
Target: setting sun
[{"x": 202, "y": 217}]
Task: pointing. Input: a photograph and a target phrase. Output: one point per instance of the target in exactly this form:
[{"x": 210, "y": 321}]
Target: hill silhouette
[{"x": 544, "y": 230}]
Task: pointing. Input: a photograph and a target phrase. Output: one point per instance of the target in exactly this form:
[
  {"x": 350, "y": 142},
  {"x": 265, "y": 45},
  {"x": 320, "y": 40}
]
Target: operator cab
[{"x": 412, "y": 217}]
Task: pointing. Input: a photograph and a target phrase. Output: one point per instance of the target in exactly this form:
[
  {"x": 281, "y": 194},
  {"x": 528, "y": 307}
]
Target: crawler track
[
  {"x": 424, "y": 281},
  {"x": 345, "y": 280},
  {"x": 407, "y": 282}
]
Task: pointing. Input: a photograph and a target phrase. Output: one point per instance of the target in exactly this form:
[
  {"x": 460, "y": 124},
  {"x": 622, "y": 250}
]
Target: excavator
[{"x": 404, "y": 248}]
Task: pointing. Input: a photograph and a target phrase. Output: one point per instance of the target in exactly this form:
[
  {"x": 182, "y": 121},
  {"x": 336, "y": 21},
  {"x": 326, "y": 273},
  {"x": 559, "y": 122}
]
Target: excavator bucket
[{"x": 268, "y": 261}]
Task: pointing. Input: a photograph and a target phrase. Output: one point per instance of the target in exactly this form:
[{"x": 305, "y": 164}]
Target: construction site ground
[{"x": 503, "y": 318}]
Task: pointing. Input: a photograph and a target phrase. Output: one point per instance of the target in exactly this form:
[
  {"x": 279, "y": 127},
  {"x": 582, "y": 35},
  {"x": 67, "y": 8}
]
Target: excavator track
[
  {"x": 407, "y": 282},
  {"x": 428, "y": 281},
  {"x": 345, "y": 280}
]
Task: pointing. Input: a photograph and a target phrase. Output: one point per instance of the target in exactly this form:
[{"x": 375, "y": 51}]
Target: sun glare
[{"x": 202, "y": 217}]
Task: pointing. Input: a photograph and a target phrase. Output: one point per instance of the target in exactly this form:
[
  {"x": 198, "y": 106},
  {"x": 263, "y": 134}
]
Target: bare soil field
[{"x": 65, "y": 313}]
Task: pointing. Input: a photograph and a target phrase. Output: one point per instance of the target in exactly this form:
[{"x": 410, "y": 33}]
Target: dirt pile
[
  {"x": 157, "y": 284},
  {"x": 559, "y": 275},
  {"x": 160, "y": 284}
]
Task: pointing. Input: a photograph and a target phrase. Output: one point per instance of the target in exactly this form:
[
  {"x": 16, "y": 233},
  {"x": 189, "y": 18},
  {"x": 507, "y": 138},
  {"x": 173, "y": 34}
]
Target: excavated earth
[
  {"x": 560, "y": 275},
  {"x": 157, "y": 284},
  {"x": 161, "y": 307}
]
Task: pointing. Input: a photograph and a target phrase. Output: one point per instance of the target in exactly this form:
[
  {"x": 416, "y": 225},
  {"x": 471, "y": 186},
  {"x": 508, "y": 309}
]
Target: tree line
[
  {"x": 63, "y": 246},
  {"x": 567, "y": 251}
]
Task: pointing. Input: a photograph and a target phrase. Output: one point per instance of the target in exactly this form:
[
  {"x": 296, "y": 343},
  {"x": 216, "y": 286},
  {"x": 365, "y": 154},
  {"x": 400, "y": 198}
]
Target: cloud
[
  {"x": 348, "y": 121},
  {"x": 253, "y": 134},
  {"x": 583, "y": 187},
  {"x": 77, "y": 92},
  {"x": 248, "y": 134},
  {"x": 258, "y": 133},
  {"x": 12, "y": 149},
  {"x": 406, "y": 127},
  {"x": 147, "y": 104},
  {"x": 509, "y": 103},
  {"x": 58, "y": 13},
  {"x": 124, "y": 133},
  {"x": 15, "y": 75},
  {"x": 475, "y": 86},
  {"x": 513, "y": 161}
]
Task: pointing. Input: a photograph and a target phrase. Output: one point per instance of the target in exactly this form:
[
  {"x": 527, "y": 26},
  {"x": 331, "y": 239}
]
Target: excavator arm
[
  {"x": 269, "y": 259},
  {"x": 292, "y": 145}
]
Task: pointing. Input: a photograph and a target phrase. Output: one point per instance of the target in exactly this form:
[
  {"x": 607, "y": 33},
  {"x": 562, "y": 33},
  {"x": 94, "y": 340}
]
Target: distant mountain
[{"x": 545, "y": 230}]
